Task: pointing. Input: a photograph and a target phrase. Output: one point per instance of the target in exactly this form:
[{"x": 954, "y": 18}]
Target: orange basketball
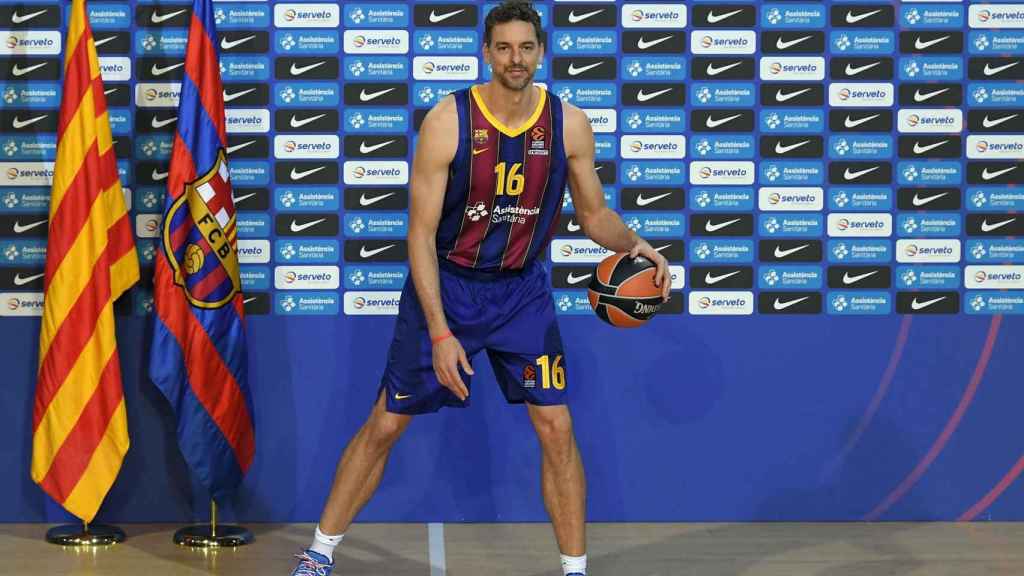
[{"x": 622, "y": 290}]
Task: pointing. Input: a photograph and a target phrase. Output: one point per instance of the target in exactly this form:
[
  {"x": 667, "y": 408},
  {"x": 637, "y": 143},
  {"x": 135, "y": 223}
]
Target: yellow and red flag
[{"x": 79, "y": 428}]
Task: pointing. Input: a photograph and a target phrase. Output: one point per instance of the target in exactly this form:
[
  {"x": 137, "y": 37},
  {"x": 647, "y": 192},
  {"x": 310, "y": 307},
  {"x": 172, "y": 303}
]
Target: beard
[{"x": 516, "y": 84}]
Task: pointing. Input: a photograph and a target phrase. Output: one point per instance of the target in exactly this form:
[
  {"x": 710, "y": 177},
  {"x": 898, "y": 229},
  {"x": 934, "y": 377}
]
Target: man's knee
[
  {"x": 553, "y": 425},
  {"x": 385, "y": 428}
]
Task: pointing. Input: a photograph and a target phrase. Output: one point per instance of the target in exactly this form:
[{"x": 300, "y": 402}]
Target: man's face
[{"x": 513, "y": 54}]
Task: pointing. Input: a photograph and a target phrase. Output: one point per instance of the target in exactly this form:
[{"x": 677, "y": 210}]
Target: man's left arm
[{"x": 599, "y": 222}]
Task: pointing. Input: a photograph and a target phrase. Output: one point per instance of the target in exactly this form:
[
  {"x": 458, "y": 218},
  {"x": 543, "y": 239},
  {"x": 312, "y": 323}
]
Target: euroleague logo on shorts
[{"x": 529, "y": 377}]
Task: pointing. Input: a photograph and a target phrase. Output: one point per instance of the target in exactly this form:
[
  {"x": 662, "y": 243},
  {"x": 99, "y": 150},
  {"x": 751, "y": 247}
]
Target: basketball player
[{"x": 486, "y": 192}]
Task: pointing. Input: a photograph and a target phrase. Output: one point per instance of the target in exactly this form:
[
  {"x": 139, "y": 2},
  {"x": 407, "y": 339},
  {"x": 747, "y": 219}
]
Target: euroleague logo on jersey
[{"x": 538, "y": 143}]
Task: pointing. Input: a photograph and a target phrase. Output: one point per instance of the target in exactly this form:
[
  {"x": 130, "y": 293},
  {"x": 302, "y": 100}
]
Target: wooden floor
[{"x": 528, "y": 550}]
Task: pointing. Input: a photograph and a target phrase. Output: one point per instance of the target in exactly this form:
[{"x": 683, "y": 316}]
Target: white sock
[
  {"x": 325, "y": 543},
  {"x": 574, "y": 564}
]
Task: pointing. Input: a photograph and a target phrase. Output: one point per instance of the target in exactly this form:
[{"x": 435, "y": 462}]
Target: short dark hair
[{"x": 509, "y": 11}]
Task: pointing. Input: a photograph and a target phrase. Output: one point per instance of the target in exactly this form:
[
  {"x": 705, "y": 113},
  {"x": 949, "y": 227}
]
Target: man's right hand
[{"x": 448, "y": 354}]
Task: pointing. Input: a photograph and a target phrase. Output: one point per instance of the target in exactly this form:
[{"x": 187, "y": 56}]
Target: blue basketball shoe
[{"x": 313, "y": 564}]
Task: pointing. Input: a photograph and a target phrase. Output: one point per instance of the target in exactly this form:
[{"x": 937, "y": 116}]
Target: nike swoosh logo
[
  {"x": 644, "y": 44},
  {"x": 780, "y": 149},
  {"x": 403, "y": 396},
  {"x": 250, "y": 299},
  {"x": 915, "y": 305},
  {"x": 574, "y": 71},
  {"x": 712, "y": 71},
  {"x": 22, "y": 18},
  {"x": 236, "y": 95},
  {"x": 924, "y": 45},
  {"x": 575, "y": 18},
  {"x": 783, "y": 45},
  {"x": 851, "y": 123},
  {"x": 98, "y": 43},
  {"x": 781, "y": 96},
  {"x": 158, "y": 18},
  {"x": 852, "y": 19},
  {"x": 847, "y": 279},
  {"x": 435, "y": 18},
  {"x": 986, "y": 227},
  {"x": 296, "y": 123},
  {"x": 18, "y": 123},
  {"x": 780, "y": 305},
  {"x": 19, "y": 71},
  {"x": 364, "y": 149},
  {"x": 986, "y": 175},
  {"x": 572, "y": 278},
  {"x": 716, "y": 227},
  {"x": 296, "y": 175},
  {"x": 989, "y": 70},
  {"x": 715, "y": 123},
  {"x": 228, "y": 45},
  {"x": 716, "y": 18},
  {"x": 299, "y": 70},
  {"x": 918, "y": 149},
  {"x": 21, "y": 281},
  {"x": 780, "y": 253},
  {"x": 573, "y": 226},
  {"x": 20, "y": 228},
  {"x": 643, "y": 201},
  {"x": 364, "y": 253},
  {"x": 854, "y": 175},
  {"x": 158, "y": 123},
  {"x": 364, "y": 201},
  {"x": 852, "y": 70},
  {"x": 296, "y": 227},
  {"x": 919, "y": 201},
  {"x": 237, "y": 147},
  {"x": 109, "y": 92},
  {"x": 364, "y": 97},
  {"x": 992, "y": 123},
  {"x": 161, "y": 70},
  {"x": 642, "y": 96},
  {"x": 660, "y": 248},
  {"x": 481, "y": 151},
  {"x": 237, "y": 199},
  {"x": 918, "y": 97},
  {"x": 158, "y": 175},
  {"x": 710, "y": 279}
]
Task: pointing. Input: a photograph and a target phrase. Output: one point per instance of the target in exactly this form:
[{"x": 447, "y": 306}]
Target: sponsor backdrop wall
[{"x": 835, "y": 185}]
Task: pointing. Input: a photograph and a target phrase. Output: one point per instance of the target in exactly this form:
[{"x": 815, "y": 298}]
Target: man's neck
[{"x": 512, "y": 107}]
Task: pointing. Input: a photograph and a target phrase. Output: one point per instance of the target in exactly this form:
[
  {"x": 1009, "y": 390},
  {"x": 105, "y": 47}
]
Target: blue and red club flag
[{"x": 198, "y": 357}]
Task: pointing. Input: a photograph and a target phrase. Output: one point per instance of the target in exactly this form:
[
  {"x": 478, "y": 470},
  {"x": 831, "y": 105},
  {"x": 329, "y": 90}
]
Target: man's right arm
[{"x": 435, "y": 150}]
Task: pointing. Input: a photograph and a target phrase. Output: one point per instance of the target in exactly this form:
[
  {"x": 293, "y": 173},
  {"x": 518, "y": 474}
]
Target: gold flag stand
[
  {"x": 213, "y": 535},
  {"x": 85, "y": 535}
]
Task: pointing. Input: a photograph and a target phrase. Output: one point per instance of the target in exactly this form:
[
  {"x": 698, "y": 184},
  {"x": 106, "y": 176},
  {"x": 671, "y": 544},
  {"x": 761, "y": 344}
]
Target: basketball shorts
[{"x": 511, "y": 316}]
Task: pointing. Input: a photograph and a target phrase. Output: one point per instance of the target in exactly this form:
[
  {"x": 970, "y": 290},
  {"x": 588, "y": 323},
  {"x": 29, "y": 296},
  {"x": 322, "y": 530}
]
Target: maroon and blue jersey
[{"x": 505, "y": 186}]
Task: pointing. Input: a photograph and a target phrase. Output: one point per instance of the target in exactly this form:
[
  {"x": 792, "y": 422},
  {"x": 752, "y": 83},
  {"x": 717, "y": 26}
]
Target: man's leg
[
  {"x": 361, "y": 467},
  {"x": 562, "y": 481}
]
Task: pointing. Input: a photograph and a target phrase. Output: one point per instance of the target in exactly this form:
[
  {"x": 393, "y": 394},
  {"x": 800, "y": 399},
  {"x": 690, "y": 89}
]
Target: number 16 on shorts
[{"x": 552, "y": 373}]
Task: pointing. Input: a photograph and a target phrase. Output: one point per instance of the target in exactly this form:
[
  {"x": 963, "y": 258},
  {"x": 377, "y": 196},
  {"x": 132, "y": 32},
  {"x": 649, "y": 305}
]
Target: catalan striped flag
[
  {"x": 79, "y": 428},
  {"x": 198, "y": 356}
]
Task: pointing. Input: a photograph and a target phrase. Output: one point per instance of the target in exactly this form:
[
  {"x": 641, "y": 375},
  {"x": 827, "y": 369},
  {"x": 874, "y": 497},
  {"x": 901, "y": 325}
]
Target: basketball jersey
[{"x": 505, "y": 186}]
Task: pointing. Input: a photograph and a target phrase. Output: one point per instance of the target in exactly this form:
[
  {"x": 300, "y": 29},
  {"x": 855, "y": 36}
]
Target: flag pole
[
  {"x": 213, "y": 535},
  {"x": 84, "y": 535}
]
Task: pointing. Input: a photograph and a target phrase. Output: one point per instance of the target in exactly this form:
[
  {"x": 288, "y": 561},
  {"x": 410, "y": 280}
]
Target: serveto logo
[
  {"x": 247, "y": 121},
  {"x": 307, "y": 16},
  {"x": 995, "y": 16},
  {"x": 721, "y": 303},
  {"x": 578, "y": 251},
  {"x": 665, "y": 147},
  {"x": 253, "y": 251},
  {"x": 307, "y": 147},
  {"x": 995, "y": 147},
  {"x": 307, "y": 277},
  {"x": 941, "y": 121},
  {"x": 151, "y": 95},
  {"x": 376, "y": 41},
  {"x": 21, "y": 303},
  {"x": 792, "y": 68},
  {"x": 445, "y": 68},
  {"x": 27, "y": 173},
  {"x": 653, "y": 15},
  {"x": 790, "y": 199},
  {"x": 994, "y": 277},
  {"x": 31, "y": 42},
  {"x": 721, "y": 173},
  {"x": 860, "y": 94},
  {"x": 375, "y": 303},
  {"x": 602, "y": 120},
  {"x": 376, "y": 172},
  {"x": 860, "y": 225},
  {"x": 115, "y": 68},
  {"x": 926, "y": 250},
  {"x": 723, "y": 41}
]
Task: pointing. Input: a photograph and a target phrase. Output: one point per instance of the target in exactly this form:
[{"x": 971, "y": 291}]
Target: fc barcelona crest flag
[{"x": 198, "y": 356}]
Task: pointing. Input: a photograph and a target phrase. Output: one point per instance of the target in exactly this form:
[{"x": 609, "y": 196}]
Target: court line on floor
[{"x": 435, "y": 542}]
